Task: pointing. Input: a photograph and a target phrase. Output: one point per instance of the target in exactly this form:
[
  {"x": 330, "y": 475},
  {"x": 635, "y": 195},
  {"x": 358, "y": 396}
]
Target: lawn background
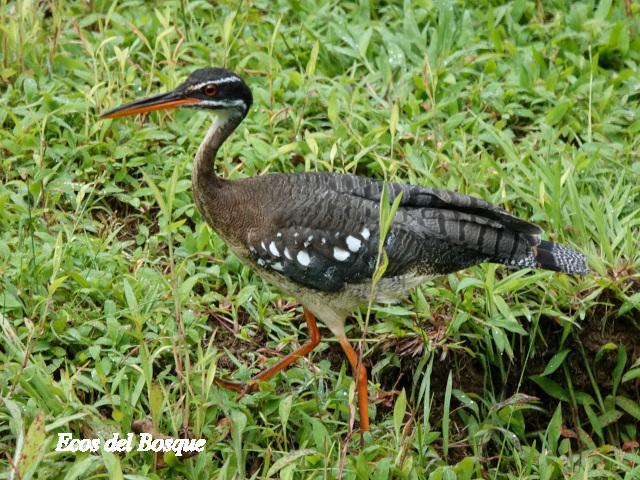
[{"x": 118, "y": 305}]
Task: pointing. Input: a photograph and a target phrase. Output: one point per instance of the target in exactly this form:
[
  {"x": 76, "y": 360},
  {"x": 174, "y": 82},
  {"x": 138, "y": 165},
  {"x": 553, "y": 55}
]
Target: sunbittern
[{"x": 315, "y": 235}]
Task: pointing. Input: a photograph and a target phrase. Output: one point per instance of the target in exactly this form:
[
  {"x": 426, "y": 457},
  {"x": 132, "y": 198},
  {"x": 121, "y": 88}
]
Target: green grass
[{"x": 117, "y": 304}]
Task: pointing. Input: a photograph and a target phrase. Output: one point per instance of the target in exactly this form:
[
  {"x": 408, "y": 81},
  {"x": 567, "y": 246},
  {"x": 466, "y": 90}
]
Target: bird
[{"x": 316, "y": 235}]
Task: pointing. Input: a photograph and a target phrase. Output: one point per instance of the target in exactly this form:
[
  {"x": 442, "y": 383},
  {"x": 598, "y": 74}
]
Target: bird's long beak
[{"x": 157, "y": 102}]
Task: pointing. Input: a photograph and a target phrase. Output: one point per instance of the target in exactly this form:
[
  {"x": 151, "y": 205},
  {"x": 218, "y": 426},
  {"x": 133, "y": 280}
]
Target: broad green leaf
[
  {"x": 132, "y": 301},
  {"x": 551, "y": 387},
  {"x": 55, "y": 284},
  {"x": 509, "y": 324},
  {"x": 363, "y": 42},
  {"x": 603, "y": 9},
  {"x": 621, "y": 361},
  {"x": 284, "y": 409},
  {"x": 631, "y": 375},
  {"x": 445, "y": 415},
  {"x": 609, "y": 417},
  {"x": 113, "y": 465},
  {"x": 465, "y": 468},
  {"x": 393, "y": 122},
  {"x": 82, "y": 467},
  {"x": 555, "y": 362},
  {"x": 156, "y": 399},
  {"x": 288, "y": 459},
  {"x": 227, "y": 27},
  {"x": 630, "y": 406},
  {"x": 238, "y": 424},
  {"x": 313, "y": 60},
  {"x": 467, "y": 282},
  {"x": 557, "y": 113},
  {"x": 187, "y": 286},
  {"x": 553, "y": 430},
  {"x": 363, "y": 470},
  {"x": 594, "y": 421},
  {"x": 399, "y": 412},
  {"x": 32, "y": 449},
  {"x": 332, "y": 108},
  {"x": 607, "y": 347}
]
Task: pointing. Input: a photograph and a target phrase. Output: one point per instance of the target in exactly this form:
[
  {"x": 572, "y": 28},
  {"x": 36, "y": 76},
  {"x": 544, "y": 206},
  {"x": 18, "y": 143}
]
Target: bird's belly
[
  {"x": 333, "y": 307},
  {"x": 389, "y": 289}
]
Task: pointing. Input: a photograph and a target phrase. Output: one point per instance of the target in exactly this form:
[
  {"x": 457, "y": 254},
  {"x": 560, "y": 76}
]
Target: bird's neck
[{"x": 207, "y": 186}]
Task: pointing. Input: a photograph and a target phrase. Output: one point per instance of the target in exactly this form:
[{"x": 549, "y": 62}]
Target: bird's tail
[
  {"x": 560, "y": 258},
  {"x": 552, "y": 256}
]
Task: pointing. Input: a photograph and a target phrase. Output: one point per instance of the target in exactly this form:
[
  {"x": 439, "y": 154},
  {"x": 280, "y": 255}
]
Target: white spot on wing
[
  {"x": 353, "y": 243},
  {"x": 264, "y": 247},
  {"x": 261, "y": 262},
  {"x": 279, "y": 234},
  {"x": 303, "y": 258},
  {"x": 323, "y": 240},
  {"x": 277, "y": 266},
  {"x": 287, "y": 254},
  {"x": 274, "y": 250},
  {"x": 308, "y": 241},
  {"x": 365, "y": 233},
  {"x": 340, "y": 254}
]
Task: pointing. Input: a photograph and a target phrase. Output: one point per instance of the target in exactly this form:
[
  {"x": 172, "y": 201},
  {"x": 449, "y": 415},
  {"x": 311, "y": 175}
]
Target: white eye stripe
[
  {"x": 193, "y": 88},
  {"x": 223, "y": 103},
  {"x": 198, "y": 86},
  {"x": 227, "y": 80}
]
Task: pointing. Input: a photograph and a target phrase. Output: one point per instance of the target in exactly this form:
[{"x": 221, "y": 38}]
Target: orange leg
[
  {"x": 360, "y": 376},
  {"x": 252, "y": 384}
]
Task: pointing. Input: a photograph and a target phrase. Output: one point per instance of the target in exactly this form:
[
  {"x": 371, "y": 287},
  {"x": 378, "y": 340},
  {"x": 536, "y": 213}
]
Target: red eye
[{"x": 210, "y": 90}]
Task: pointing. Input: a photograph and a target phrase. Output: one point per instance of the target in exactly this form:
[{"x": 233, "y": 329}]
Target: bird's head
[{"x": 206, "y": 88}]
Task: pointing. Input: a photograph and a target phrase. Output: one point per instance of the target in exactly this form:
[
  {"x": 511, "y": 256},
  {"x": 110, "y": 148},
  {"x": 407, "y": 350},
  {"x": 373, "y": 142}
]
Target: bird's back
[{"x": 320, "y": 231}]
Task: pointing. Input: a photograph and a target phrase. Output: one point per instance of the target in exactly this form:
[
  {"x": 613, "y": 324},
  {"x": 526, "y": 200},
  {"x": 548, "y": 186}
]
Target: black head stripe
[{"x": 232, "y": 92}]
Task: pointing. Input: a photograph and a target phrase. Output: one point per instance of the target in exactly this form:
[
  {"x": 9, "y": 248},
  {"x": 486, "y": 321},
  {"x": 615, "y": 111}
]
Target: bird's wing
[
  {"x": 327, "y": 234},
  {"x": 316, "y": 258},
  {"x": 415, "y": 198},
  {"x": 459, "y": 220}
]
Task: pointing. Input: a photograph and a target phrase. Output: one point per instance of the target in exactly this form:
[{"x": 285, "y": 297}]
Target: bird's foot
[{"x": 240, "y": 387}]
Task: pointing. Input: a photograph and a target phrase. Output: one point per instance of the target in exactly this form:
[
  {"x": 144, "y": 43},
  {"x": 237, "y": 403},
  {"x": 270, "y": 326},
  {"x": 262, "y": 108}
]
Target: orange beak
[{"x": 158, "y": 102}]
